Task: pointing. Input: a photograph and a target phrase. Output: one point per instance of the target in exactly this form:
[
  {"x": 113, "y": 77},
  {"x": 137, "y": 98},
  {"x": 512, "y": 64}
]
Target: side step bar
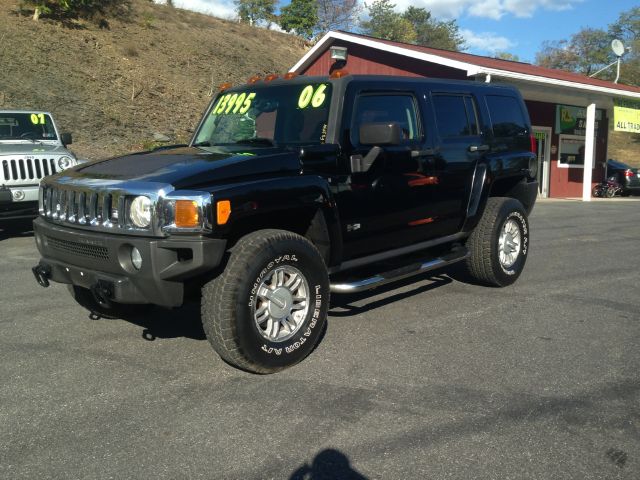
[{"x": 400, "y": 273}]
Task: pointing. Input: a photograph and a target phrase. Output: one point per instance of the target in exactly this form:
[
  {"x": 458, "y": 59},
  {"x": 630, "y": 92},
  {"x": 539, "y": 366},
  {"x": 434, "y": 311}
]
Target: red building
[{"x": 561, "y": 104}]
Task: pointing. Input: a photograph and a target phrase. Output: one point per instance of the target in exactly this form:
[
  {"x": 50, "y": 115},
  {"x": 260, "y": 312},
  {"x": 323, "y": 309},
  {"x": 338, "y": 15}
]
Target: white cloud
[
  {"x": 217, "y": 8},
  {"x": 486, "y": 42},
  {"x": 494, "y": 9}
]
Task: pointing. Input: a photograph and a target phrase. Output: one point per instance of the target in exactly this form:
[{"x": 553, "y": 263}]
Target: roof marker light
[
  {"x": 339, "y": 74},
  {"x": 254, "y": 79}
]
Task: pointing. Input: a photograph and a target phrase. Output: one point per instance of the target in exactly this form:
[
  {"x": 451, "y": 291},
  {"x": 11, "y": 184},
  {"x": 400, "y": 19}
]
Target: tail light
[
  {"x": 629, "y": 173},
  {"x": 534, "y": 144}
]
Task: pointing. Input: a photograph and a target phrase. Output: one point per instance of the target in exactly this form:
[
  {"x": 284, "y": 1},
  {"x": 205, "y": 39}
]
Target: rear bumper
[{"x": 87, "y": 259}]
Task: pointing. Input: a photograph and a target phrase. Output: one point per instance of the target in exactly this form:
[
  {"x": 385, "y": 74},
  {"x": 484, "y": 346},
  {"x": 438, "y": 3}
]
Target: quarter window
[
  {"x": 400, "y": 109},
  {"x": 506, "y": 116},
  {"x": 455, "y": 115}
]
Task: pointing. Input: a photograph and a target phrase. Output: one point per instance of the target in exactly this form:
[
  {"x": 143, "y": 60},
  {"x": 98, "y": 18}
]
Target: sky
[{"x": 488, "y": 26}]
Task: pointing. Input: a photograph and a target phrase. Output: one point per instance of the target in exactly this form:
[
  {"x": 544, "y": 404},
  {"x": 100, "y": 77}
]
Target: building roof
[{"x": 474, "y": 64}]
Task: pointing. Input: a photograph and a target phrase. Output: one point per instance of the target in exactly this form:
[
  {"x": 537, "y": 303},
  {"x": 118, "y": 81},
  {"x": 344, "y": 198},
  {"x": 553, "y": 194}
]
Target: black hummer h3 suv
[{"x": 291, "y": 189}]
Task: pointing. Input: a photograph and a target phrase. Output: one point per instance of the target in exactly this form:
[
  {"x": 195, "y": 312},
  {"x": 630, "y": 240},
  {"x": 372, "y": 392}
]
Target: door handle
[
  {"x": 478, "y": 148},
  {"x": 422, "y": 153}
]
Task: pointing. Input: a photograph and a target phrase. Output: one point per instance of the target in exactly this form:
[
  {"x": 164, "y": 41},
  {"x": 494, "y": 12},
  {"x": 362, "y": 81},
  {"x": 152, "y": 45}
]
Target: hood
[
  {"x": 29, "y": 148},
  {"x": 190, "y": 167}
]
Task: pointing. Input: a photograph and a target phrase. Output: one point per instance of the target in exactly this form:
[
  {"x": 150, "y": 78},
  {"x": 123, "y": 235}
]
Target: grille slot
[{"x": 77, "y": 248}]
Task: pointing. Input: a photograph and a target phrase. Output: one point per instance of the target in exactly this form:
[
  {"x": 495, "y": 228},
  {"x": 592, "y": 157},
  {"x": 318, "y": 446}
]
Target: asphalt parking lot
[{"x": 436, "y": 378}]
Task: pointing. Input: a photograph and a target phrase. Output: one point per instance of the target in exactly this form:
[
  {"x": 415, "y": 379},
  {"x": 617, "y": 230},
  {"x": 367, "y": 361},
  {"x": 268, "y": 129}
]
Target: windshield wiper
[
  {"x": 256, "y": 141},
  {"x": 206, "y": 143}
]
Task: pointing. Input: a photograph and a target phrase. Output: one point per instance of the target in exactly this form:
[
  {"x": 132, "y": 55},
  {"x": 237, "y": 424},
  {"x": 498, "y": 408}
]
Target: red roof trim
[{"x": 506, "y": 65}]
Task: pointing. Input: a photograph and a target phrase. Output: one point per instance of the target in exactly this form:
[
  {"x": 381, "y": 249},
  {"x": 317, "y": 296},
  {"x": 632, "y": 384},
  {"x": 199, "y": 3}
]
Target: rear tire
[
  {"x": 499, "y": 244},
  {"x": 267, "y": 310}
]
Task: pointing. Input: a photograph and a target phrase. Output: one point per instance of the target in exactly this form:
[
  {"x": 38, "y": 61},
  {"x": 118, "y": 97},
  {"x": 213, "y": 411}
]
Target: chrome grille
[
  {"x": 103, "y": 205},
  {"x": 77, "y": 248},
  {"x": 19, "y": 170},
  {"x": 92, "y": 209}
]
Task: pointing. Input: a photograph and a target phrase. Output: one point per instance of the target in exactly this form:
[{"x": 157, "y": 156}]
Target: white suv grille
[{"x": 20, "y": 170}]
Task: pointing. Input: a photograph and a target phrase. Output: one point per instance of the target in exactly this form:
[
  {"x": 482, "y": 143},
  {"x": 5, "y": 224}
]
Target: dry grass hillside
[
  {"x": 625, "y": 147},
  {"x": 115, "y": 87}
]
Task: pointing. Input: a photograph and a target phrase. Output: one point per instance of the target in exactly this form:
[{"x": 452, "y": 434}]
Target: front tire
[
  {"x": 499, "y": 245},
  {"x": 267, "y": 310}
]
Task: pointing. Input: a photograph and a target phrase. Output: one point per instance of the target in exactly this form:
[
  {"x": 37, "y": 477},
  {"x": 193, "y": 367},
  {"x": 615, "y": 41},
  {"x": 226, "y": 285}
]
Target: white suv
[{"x": 30, "y": 149}]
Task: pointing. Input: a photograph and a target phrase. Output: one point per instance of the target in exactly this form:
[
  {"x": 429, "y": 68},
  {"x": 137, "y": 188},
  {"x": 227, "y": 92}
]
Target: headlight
[
  {"x": 140, "y": 211},
  {"x": 64, "y": 162}
]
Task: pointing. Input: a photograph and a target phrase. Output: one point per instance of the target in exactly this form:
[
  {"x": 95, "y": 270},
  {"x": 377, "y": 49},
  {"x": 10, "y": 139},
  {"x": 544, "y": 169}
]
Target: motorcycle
[{"x": 609, "y": 188}]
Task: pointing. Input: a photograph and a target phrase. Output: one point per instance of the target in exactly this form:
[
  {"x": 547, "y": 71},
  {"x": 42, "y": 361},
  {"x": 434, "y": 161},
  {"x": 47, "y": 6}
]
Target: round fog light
[
  {"x": 18, "y": 195},
  {"x": 136, "y": 258}
]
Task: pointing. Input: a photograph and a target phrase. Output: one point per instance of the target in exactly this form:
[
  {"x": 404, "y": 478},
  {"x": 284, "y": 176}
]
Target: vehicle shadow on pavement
[
  {"x": 185, "y": 321},
  {"x": 329, "y": 464},
  {"x": 16, "y": 229},
  {"x": 158, "y": 322},
  {"x": 343, "y": 305}
]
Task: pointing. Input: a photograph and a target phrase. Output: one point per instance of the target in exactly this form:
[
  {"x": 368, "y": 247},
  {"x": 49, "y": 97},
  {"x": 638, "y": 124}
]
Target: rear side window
[
  {"x": 506, "y": 116},
  {"x": 455, "y": 115},
  {"x": 400, "y": 109}
]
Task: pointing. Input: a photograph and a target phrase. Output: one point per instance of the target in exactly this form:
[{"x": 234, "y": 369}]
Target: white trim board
[{"x": 470, "y": 68}]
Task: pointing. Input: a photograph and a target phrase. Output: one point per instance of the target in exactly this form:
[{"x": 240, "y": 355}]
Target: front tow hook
[
  {"x": 103, "y": 293},
  {"x": 42, "y": 274}
]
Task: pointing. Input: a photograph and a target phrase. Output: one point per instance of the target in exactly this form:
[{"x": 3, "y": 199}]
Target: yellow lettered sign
[
  {"x": 233, "y": 103},
  {"x": 37, "y": 118},
  {"x": 626, "y": 116}
]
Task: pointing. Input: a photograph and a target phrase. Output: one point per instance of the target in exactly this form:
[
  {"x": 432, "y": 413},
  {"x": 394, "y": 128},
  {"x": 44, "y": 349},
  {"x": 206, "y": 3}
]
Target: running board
[{"x": 400, "y": 273}]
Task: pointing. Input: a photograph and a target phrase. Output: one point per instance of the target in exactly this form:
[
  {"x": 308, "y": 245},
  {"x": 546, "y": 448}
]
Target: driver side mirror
[
  {"x": 375, "y": 134},
  {"x": 66, "y": 139}
]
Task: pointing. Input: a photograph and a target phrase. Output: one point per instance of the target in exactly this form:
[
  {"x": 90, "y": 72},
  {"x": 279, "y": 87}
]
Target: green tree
[
  {"x": 585, "y": 52},
  {"x": 434, "y": 33},
  {"x": 300, "y": 16},
  {"x": 384, "y": 22},
  {"x": 255, "y": 11},
  {"x": 627, "y": 29},
  {"x": 337, "y": 15},
  {"x": 414, "y": 25},
  {"x": 589, "y": 50},
  {"x": 507, "y": 56},
  {"x": 66, "y": 9}
]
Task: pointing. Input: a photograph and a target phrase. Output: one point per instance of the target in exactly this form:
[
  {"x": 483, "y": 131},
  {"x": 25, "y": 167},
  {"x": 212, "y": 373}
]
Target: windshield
[
  {"x": 26, "y": 126},
  {"x": 266, "y": 116}
]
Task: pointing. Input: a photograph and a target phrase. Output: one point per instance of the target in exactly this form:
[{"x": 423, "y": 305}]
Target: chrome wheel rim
[
  {"x": 509, "y": 243},
  {"x": 282, "y": 303}
]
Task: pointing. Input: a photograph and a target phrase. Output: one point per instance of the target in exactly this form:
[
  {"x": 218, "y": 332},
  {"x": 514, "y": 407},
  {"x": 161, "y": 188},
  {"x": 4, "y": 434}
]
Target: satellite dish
[{"x": 617, "y": 47}]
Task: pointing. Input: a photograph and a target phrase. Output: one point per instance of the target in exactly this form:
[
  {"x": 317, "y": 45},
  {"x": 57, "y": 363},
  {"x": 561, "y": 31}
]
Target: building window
[{"x": 571, "y": 151}]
